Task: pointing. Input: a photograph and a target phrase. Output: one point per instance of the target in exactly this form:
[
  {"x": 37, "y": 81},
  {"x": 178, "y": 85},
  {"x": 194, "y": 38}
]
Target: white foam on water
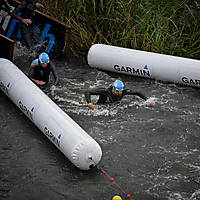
[{"x": 195, "y": 195}]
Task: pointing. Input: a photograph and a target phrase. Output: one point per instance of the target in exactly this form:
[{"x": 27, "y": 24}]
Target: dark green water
[{"x": 152, "y": 153}]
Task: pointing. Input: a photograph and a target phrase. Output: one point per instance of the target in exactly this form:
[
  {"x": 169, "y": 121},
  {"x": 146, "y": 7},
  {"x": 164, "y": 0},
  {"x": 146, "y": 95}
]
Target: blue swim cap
[
  {"x": 118, "y": 85},
  {"x": 44, "y": 58}
]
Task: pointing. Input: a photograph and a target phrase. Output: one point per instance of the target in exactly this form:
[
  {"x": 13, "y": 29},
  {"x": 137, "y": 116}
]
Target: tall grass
[{"x": 168, "y": 26}]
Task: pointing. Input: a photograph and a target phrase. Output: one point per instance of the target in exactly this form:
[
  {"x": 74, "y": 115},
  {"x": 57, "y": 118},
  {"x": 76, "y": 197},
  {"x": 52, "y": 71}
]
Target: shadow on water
[{"x": 153, "y": 153}]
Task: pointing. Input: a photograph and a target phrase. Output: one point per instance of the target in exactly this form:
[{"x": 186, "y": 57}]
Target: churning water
[{"x": 152, "y": 153}]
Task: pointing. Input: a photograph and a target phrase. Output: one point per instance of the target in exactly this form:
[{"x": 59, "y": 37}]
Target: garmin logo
[
  {"x": 3, "y": 87},
  {"x": 190, "y": 81},
  {"x": 139, "y": 72},
  {"x": 51, "y": 136},
  {"x": 25, "y": 110}
]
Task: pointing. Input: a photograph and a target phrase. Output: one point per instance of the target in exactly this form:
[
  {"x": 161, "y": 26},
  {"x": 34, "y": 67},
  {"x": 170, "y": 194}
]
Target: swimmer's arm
[{"x": 141, "y": 95}]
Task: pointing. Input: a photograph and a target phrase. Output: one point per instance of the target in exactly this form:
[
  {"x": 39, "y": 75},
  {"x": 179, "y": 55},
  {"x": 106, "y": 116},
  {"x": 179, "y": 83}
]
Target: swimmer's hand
[
  {"x": 151, "y": 104},
  {"x": 3, "y": 15},
  {"x": 27, "y": 21},
  {"x": 53, "y": 87},
  {"x": 39, "y": 82},
  {"x": 39, "y": 5},
  {"x": 91, "y": 106}
]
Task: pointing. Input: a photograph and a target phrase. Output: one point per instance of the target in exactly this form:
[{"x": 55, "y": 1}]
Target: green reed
[{"x": 170, "y": 27}]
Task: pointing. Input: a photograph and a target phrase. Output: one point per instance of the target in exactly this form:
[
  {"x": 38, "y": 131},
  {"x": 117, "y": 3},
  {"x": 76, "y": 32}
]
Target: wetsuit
[
  {"x": 29, "y": 33},
  {"x": 106, "y": 95},
  {"x": 42, "y": 74}
]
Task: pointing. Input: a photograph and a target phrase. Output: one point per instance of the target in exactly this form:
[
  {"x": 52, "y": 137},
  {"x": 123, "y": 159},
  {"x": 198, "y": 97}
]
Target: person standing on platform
[{"x": 29, "y": 34}]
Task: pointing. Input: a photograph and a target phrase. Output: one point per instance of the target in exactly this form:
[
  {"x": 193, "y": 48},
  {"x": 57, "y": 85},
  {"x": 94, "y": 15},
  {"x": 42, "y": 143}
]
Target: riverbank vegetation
[{"x": 169, "y": 26}]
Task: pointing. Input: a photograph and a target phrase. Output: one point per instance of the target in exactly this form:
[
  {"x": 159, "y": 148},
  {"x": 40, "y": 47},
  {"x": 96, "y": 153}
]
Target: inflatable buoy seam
[{"x": 75, "y": 154}]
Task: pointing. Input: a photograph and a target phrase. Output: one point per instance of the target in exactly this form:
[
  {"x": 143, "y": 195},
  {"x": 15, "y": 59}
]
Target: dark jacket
[
  {"x": 27, "y": 9},
  {"x": 106, "y": 95}
]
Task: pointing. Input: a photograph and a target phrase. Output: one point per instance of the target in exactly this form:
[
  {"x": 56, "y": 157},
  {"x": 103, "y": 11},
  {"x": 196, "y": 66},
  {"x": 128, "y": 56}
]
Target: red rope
[
  {"x": 112, "y": 180},
  {"x": 128, "y": 196}
]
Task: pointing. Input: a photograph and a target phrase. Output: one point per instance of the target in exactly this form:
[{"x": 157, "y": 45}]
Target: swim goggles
[
  {"x": 44, "y": 63},
  {"x": 117, "y": 90}
]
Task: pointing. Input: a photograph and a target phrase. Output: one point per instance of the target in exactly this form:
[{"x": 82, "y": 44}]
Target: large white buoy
[
  {"x": 80, "y": 148},
  {"x": 145, "y": 64}
]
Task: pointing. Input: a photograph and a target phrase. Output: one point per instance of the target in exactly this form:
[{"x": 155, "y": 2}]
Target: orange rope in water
[{"x": 112, "y": 180}]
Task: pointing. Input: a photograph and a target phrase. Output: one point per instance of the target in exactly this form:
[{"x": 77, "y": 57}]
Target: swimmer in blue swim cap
[
  {"x": 112, "y": 94},
  {"x": 40, "y": 70}
]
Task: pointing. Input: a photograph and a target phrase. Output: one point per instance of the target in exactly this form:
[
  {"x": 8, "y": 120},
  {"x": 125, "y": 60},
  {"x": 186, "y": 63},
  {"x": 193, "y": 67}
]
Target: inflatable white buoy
[
  {"x": 81, "y": 149},
  {"x": 145, "y": 64}
]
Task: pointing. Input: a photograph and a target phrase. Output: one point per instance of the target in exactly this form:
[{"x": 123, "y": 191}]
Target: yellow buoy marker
[{"x": 116, "y": 198}]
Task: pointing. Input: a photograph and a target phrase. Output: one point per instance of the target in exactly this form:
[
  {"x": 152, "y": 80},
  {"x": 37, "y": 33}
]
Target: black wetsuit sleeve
[
  {"x": 100, "y": 91},
  {"x": 88, "y": 96},
  {"x": 130, "y": 92},
  {"x": 55, "y": 74},
  {"x": 31, "y": 73}
]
